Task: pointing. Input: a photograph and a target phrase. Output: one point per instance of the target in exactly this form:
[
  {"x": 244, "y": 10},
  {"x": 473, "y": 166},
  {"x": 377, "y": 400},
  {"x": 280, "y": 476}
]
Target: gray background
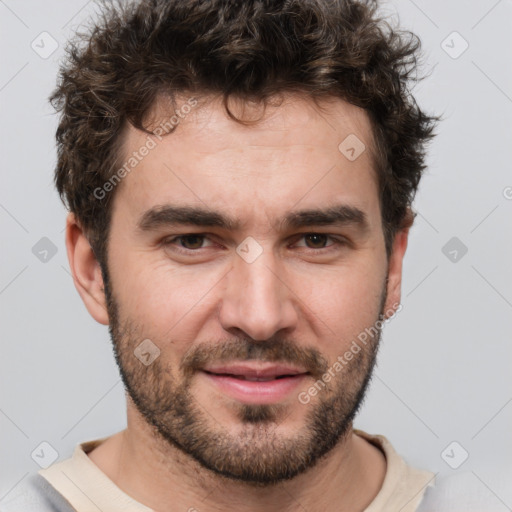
[{"x": 444, "y": 367}]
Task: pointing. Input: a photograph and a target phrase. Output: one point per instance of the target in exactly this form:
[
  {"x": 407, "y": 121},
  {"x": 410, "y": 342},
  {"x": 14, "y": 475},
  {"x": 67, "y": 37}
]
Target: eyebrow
[{"x": 169, "y": 215}]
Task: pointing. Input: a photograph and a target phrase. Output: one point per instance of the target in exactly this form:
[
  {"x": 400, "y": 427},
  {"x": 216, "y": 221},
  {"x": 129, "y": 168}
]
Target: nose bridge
[{"x": 256, "y": 300}]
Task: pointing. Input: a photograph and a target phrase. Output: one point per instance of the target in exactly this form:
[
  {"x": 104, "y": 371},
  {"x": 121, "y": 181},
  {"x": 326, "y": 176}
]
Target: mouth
[
  {"x": 255, "y": 383},
  {"x": 249, "y": 378}
]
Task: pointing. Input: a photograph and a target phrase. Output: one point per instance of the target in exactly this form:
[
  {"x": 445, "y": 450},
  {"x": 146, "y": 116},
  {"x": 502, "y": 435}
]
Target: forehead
[
  {"x": 289, "y": 152},
  {"x": 287, "y": 121}
]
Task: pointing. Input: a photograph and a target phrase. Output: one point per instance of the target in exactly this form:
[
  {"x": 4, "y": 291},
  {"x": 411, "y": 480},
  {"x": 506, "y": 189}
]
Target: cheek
[
  {"x": 167, "y": 303},
  {"x": 342, "y": 302}
]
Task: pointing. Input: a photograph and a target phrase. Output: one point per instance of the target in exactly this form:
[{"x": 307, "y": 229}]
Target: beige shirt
[{"x": 88, "y": 489}]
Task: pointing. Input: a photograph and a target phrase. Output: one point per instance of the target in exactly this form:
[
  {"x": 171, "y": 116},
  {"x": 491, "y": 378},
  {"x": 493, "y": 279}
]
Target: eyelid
[
  {"x": 337, "y": 239},
  {"x": 171, "y": 241}
]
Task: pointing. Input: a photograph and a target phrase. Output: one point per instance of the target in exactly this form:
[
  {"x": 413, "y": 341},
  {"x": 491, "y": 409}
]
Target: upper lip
[{"x": 255, "y": 370}]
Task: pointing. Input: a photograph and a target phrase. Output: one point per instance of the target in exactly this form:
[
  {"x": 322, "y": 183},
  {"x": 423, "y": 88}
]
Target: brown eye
[
  {"x": 317, "y": 240},
  {"x": 320, "y": 243},
  {"x": 191, "y": 241},
  {"x": 184, "y": 243}
]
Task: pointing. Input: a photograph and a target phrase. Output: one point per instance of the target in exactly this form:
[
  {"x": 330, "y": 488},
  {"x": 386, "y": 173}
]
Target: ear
[
  {"x": 86, "y": 271},
  {"x": 394, "y": 289}
]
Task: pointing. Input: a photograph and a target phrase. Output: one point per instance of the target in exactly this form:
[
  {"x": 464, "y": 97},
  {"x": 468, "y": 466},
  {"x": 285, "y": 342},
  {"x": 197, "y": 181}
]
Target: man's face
[{"x": 248, "y": 314}]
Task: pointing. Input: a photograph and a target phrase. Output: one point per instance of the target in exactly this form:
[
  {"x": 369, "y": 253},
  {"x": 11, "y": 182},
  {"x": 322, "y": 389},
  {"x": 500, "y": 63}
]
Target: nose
[{"x": 257, "y": 300}]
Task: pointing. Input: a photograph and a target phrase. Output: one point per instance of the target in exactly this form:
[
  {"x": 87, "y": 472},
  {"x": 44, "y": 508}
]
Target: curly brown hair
[{"x": 252, "y": 50}]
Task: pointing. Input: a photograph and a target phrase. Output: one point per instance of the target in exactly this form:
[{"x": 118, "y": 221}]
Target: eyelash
[{"x": 337, "y": 242}]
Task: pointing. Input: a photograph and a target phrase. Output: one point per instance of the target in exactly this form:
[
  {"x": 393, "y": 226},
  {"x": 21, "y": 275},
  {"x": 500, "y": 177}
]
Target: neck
[{"x": 155, "y": 473}]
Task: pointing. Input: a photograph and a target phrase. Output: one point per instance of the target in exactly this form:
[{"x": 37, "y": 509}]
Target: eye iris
[
  {"x": 317, "y": 239},
  {"x": 186, "y": 239}
]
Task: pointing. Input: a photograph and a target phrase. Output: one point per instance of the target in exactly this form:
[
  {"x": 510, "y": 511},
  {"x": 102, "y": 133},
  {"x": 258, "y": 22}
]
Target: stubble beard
[{"x": 259, "y": 451}]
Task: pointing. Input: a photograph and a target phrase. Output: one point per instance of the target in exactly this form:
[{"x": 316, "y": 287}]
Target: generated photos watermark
[
  {"x": 344, "y": 359},
  {"x": 164, "y": 128}
]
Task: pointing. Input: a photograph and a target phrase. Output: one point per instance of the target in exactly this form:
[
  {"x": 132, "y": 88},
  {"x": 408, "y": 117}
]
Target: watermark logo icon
[
  {"x": 44, "y": 455},
  {"x": 146, "y": 352},
  {"x": 352, "y": 147},
  {"x": 44, "y": 250},
  {"x": 44, "y": 45},
  {"x": 454, "y": 455},
  {"x": 454, "y": 45},
  {"x": 249, "y": 250},
  {"x": 454, "y": 249}
]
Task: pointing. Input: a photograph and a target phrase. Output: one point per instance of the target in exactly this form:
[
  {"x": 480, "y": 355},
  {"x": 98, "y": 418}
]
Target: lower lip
[{"x": 256, "y": 392}]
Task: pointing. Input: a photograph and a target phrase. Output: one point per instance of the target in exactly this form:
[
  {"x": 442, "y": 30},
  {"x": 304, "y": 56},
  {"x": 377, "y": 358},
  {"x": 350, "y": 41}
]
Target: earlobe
[
  {"x": 86, "y": 271},
  {"x": 395, "y": 266}
]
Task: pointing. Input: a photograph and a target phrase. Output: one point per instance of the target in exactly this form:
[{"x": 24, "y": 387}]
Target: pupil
[
  {"x": 316, "y": 238},
  {"x": 185, "y": 241}
]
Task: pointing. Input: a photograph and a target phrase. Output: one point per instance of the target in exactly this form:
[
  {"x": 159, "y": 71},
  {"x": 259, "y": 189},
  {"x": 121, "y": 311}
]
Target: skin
[{"x": 318, "y": 300}]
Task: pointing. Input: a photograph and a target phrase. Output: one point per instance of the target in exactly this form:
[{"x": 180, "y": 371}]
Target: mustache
[{"x": 245, "y": 349}]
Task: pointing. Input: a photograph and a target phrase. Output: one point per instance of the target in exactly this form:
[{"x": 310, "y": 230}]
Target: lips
[
  {"x": 251, "y": 378},
  {"x": 260, "y": 373},
  {"x": 256, "y": 384}
]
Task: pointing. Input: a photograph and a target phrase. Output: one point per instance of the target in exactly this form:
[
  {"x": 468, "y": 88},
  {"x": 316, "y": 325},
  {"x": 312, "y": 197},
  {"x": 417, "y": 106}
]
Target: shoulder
[
  {"x": 35, "y": 494},
  {"x": 464, "y": 492},
  {"x": 403, "y": 486}
]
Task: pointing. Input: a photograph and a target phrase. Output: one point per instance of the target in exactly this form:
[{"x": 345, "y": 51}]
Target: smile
[{"x": 255, "y": 384}]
